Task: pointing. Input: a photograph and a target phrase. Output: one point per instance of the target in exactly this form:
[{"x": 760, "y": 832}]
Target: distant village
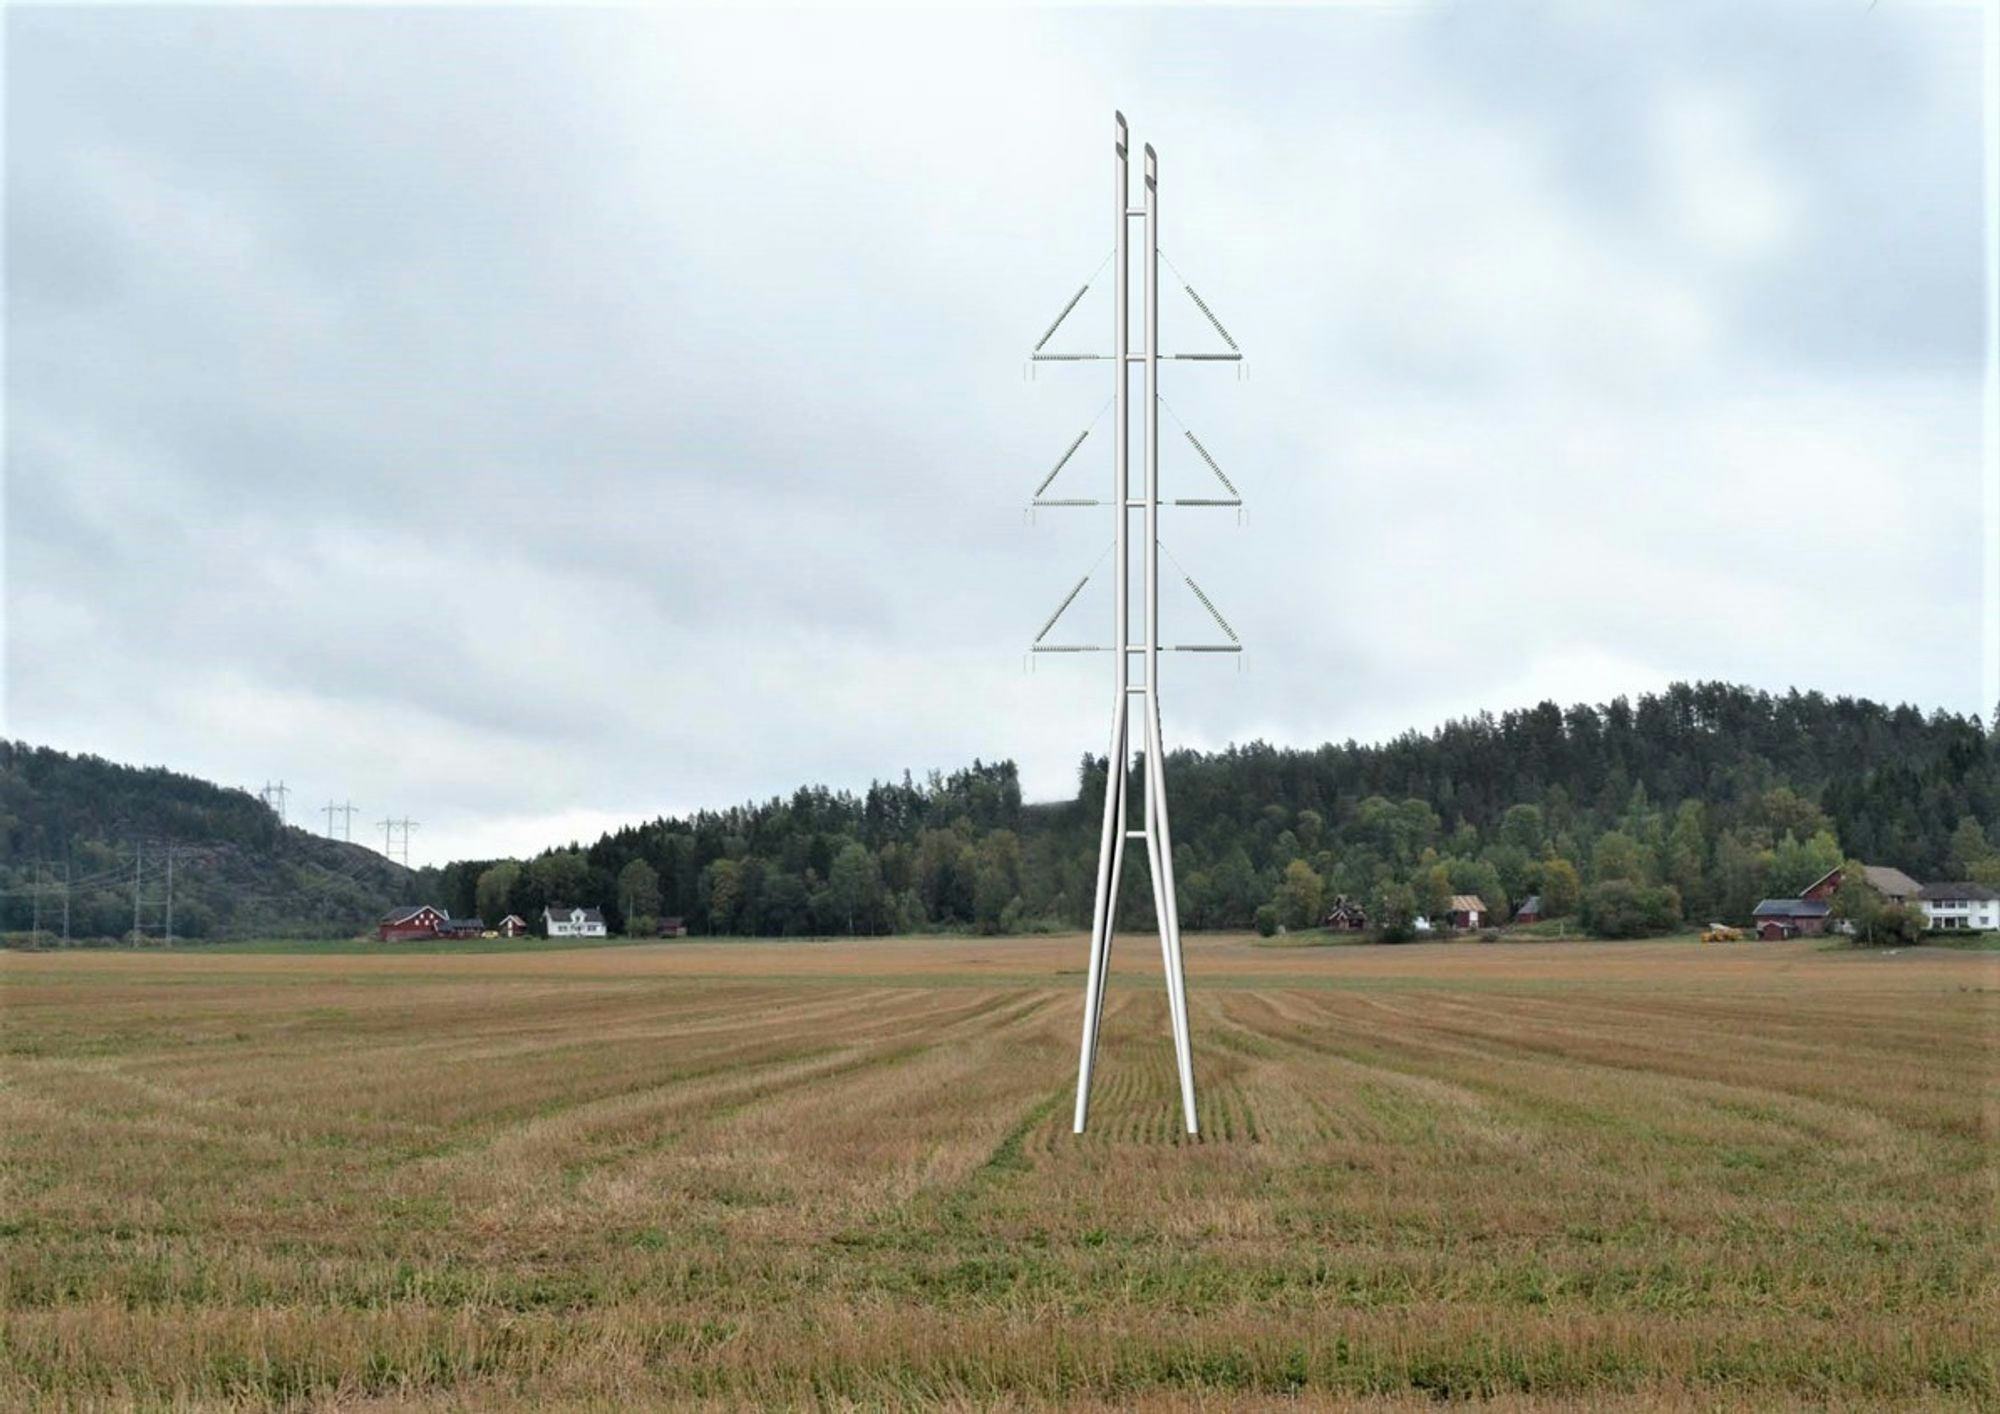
[
  {"x": 421, "y": 921},
  {"x": 1952, "y": 906}
]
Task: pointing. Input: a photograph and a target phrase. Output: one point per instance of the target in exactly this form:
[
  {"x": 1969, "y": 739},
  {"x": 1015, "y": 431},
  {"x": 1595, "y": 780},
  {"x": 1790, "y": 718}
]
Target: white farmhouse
[
  {"x": 565, "y": 922},
  {"x": 1961, "y": 906}
]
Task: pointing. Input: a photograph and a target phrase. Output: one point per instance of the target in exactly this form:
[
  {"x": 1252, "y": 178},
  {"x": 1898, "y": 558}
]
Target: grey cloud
[{"x": 537, "y": 416}]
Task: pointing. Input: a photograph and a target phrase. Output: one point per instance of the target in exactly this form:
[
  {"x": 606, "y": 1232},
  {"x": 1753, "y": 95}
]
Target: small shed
[
  {"x": 1346, "y": 916},
  {"x": 1530, "y": 910},
  {"x": 672, "y": 928},
  {"x": 513, "y": 926},
  {"x": 1466, "y": 911}
]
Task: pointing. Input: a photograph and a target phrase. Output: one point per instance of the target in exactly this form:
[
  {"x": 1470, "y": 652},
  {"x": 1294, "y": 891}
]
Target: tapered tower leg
[
  {"x": 1104, "y": 912},
  {"x": 1170, "y": 929}
]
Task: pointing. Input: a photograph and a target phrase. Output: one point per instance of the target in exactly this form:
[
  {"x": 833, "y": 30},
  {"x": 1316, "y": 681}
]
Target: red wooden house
[{"x": 400, "y": 925}]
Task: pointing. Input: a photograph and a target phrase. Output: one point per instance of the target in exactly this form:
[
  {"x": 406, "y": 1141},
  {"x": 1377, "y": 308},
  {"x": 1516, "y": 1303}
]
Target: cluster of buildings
[
  {"x": 1465, "y": 911},
  {"x": 423, "y": 920},
  {"x": 1953, "y": 906}
]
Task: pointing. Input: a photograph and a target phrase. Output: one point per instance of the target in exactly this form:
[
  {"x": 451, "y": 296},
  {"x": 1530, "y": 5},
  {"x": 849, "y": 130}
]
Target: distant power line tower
[
  {"x": 154, "y": 915},
  {"x": 1153, "y": 829},
  {"x": 274, "y": 797},
  {"x": 347, "y": 823},
  {"x": 391, "y": 830}
]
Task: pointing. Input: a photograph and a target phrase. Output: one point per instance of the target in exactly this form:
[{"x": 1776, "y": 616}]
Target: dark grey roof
[
  {"x": 409, "y": 911},
  {"x": 564, "y": 910},
  {"x": 1791, "y": 908},
  {"x": 1960, "y": 889}
]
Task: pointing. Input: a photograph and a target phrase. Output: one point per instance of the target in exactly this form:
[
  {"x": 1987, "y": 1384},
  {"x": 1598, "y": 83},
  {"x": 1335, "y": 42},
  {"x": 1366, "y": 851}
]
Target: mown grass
[{"x": 1579, "y": 1175}]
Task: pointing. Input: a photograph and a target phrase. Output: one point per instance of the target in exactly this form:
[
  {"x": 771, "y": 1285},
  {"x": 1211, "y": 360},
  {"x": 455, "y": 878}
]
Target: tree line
[{"x": 1633, "y": 816}]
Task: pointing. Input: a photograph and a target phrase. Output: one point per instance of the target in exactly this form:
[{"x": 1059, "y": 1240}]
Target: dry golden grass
[{"x": 1556, "y": 1176}]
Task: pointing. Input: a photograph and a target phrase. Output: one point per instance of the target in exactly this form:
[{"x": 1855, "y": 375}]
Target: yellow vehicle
[{"x": 1722, "y": 933}]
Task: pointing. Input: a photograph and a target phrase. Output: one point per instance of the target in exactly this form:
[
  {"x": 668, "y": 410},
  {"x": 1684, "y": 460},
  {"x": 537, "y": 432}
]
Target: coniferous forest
[
  {"x": 1685, "y": 805},
  {"x": 1704, "y": 798}
]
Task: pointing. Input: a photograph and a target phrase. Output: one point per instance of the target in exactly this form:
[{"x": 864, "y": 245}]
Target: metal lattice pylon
[{"x": 1154, "y": 830}]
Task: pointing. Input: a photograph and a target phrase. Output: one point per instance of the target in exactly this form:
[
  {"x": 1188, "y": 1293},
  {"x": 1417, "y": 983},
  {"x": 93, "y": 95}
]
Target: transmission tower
[
  {"x": 274, "y": 797},
  {"x": 391, "y": 828},
  {"x": 160, "y": 906},
  {"x": 347, "y": 821},
  {"x": 1153, "y": 828}
]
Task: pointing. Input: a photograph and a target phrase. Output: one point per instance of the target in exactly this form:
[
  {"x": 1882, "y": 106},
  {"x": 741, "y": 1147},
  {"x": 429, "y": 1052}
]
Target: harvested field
[{"x": 1547, "y": 1174}]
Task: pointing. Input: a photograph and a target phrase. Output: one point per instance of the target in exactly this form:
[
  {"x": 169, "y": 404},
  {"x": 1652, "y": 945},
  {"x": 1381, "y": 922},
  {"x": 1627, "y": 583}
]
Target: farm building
[
  {"x": 1777, "y": 918},
  {"x": 563, "y": 921},
  {"x": 1887, "y": 881},
  {"x": 1530, "y": 910},
  {"x": 1346, "y": 916},
  {"x": 672, "y": 928},
  {"x": 1961, "y": 905},
  {"x": 1465, "y": 911},
  {"x": 462, "y": 928},
  {"x": 416, "y": 921},
  {"x": 513, "y": 926},
  {"x": 1893, "y": 884}
]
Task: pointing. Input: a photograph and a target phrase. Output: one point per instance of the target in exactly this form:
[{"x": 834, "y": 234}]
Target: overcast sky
[{"x": 532, "y": 421}]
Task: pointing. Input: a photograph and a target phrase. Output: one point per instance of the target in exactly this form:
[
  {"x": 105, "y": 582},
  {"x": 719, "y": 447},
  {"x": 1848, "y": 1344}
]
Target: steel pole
[
  {"x": 1158, "y": 837},
  {"x": 1111, "y": 845}
]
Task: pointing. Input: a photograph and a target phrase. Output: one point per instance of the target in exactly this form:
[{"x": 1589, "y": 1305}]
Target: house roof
[
  {"x": 409, "y": 911},
  {"x": 1792, "y": 908},
  {"x": 1960, "y": 888},
  {"x": 513, "y": 918},
  {"x": 1531, "y": 904},
  {"x": 564, "y": 910},
  {"x": 1467, "y": 903},
  {"x": 1891, "y": 880}
]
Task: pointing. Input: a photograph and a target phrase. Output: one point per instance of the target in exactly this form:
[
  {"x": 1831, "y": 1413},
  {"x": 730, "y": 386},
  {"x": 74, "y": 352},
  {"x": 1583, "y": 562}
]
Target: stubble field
[{"x": 1565, "y": 1175}]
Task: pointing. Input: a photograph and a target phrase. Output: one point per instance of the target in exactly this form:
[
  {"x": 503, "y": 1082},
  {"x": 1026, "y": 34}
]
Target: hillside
[
  {"x": 1705, "y": 796},
  {"x": 1708, "y": 795},
  {"x": 236, "y": 870}
]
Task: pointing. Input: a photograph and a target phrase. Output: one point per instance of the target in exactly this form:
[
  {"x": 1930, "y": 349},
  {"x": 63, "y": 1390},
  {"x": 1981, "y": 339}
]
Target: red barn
[
  {"x": 400, "y": 925},
  {"x": 1789, "y": 917}
]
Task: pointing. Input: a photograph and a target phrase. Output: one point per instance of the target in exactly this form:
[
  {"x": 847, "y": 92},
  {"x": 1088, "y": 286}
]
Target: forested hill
[
  {"x": 1706, "y": 796},
  {"x": 236, "y": 869}
]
